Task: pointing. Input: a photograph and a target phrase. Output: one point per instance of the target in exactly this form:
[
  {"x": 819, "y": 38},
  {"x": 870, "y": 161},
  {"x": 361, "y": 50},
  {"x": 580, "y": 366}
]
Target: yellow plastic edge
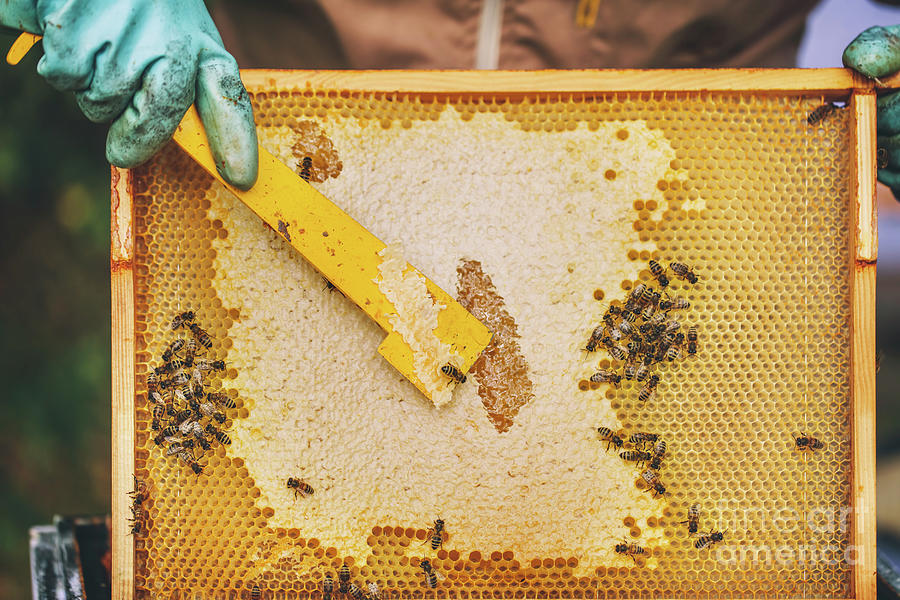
[{"x": 20, "y": 47}]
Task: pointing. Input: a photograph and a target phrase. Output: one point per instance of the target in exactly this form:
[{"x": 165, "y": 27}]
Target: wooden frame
[{"x": 833, "y": 82}]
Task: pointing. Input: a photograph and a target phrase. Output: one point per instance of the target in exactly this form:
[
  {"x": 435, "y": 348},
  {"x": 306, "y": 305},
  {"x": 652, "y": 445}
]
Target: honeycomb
[{"x": 550, "y": 206}]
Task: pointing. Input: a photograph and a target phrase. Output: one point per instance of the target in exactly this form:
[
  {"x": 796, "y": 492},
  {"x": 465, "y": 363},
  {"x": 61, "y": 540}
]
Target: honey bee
[
  {"x": 201, "y": 336},
  {"x": 649, "y": 390},
  {"x": 183, "y": 415},
  {"x": 184, "y": 393},
  {"x": 659, "y": 449},
  {"x": 159, "y": 440},
  {"x": 255, "y": 593},
  {"x": 673, "y": 352},
  {"x": 672, "y": 327},
  {"x": 356, "y": 593},
  {"x": 807, "y": 442},
  {"x": 208, "y": 409},
  {"x": 638, "y": 456},
  {"x": 708, "y": 539},
  {"x": 169, "y": 431},
  {"x": 453, "y": 373},
  {"x": 431, "y": 576},
  {"x": 630, "y": 370},
  {"x": 219, "y": 436},
  {"x": 682, "y": 271},
  {"x": 300, "y": 487},
  {"x": 203, "y": 443},
  {"x": 152, "y": 381},
  {"x": 436, "y": 534},
  {"x": 304, "y": 171},
  {"x": 178, "y": 379},
  {"x": 139, "y": 493},
  {"x": 327, "y": 587},
  {"x": 155, "y": 397},
  {"x": 607, "y": 435},
  {"x": 648, "y": 311},
  {"x": 629, "y": 316},
  {"x": 596, "y": 338},
  {"x": 615, "y": 350},
  {"x": 176, "y": 447},
  {"x": 194, "y": 428},
  {"x": 637, "y": 293},
  {"x": 821, "y": 112},
  {"x": 606, "y": 376},
  {"x": 693, "y": 519},
  {"x": 211, "y": 365},
  {"x": 220, "y": 398},
  {"x": 374, "y": 592},
  {"x": 157, "y": 413},
  {"x": 344, "y": 579},
  {"x": 136, "y": 520},
  {"x": 676, "y": 303},
  {"x": 195, "y": 467},
  {"x": 625, "y": 327},
  {"x": 692, "y": 340},
  {"x": 643, "y": 371},
  {"x": 182, "y": 319},
  {"x": 651, "y": 477},
  {"x": 631, "y": 550},
  {"x": 190, "y": 350},
  {"x": 164, "y": 369},
  {"x": 172, "y": 350},
  {"x": 640, "y": 438},
  {"x": 659, "y": 273}
]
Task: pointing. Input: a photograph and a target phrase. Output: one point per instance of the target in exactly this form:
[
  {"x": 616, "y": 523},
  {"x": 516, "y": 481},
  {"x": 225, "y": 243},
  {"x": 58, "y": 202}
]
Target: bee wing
[{"x": 440, "y": 576}]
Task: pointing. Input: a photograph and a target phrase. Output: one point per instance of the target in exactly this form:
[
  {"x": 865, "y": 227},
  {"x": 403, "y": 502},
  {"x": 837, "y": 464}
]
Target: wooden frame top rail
[{"x": 781, "y": 81}]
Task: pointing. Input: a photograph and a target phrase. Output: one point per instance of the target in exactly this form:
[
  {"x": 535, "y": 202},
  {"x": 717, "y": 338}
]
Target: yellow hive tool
[{"x": 344, "y": 251}]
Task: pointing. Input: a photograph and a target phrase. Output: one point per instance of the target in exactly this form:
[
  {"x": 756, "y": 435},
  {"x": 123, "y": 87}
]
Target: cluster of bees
[
  {"x": 639, "y": 334},
  {"x": 643, "y": 332},
  {"x": 186, "y": 415}
]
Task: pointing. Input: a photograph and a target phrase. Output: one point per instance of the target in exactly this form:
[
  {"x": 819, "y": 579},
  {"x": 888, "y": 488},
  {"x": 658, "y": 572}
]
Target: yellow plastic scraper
[{"x": 344, "y": 251}]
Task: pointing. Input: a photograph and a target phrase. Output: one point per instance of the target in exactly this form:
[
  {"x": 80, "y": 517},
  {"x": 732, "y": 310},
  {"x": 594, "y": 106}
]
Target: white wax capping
[{"x": 415, "y": 319}]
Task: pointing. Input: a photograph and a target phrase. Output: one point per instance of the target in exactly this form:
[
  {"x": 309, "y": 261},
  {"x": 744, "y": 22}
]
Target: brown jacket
[{"x": 533, "y": 34}]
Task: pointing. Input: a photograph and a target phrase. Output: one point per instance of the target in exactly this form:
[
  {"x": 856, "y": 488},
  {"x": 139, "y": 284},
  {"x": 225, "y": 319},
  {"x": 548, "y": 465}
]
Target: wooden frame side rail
[
  {"x": 121, "y": 266},
  {"x": 862, "y": 351}
]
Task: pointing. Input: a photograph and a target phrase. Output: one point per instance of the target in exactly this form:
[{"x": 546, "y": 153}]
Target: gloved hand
[
  {"x": 141, "y": 64},
  {"x": 876, "y": 53}
]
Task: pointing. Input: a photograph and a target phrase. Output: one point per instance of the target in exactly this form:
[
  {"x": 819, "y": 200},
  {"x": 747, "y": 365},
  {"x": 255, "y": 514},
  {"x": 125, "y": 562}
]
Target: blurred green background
[
  {"x": 54, "y": 314},
  {"x": 54, "y": 308}
]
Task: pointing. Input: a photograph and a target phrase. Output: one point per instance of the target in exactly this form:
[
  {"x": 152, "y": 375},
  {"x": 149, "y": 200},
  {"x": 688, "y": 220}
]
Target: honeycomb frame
[{"x": 826, "y": 84}]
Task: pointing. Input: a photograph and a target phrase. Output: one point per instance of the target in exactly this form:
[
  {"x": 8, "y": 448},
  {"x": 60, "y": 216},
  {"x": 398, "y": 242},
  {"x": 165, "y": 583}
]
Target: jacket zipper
[{"x": 487, "y": 52}]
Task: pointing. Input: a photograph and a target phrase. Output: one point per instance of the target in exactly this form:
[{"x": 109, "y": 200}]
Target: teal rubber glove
[
  {"x": 876, "y": 53},
  {"x": 140, "y": 64}
]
